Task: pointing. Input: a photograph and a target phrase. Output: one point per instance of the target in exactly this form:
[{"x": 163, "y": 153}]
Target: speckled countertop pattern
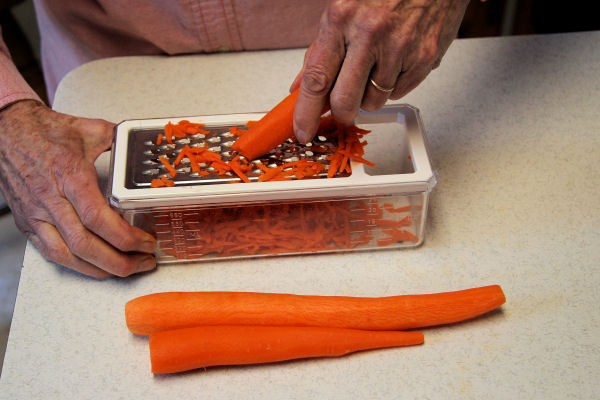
[{"x": 514, "y": 128}]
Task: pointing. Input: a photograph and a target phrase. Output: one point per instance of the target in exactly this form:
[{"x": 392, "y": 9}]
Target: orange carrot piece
[
  {"x": 270, "y": 174},
  {"x": 167, "y": 182},
  {"x": 174, "y": 310},
  {"x": 155, "y": 183},
  {"x": 395, "y": 236},
  {"x": 271, "y": 130},
  {"x": 169, "y": 132},
  {"x": 388, "y": 222},
  {"x": 193, "y": 162},
  {"x": 236, "y": 167},
  {"x": 356, "y": 158},
  {"x": 159, "y": 139},
  {"x": 162, "y": 182},
  {"x": 172, "y": 171},
  {"x": 389, "y": 207},
  {"x": 182, "y": 154},
  {"x": 186, "y": 349},
  {"x": 236, "y": 131},
  {"x": 178, "y": 131},
  {"x": 334, "y": 166}
]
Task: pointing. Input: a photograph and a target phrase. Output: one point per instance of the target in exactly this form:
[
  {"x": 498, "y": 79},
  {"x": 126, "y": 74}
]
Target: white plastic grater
[{"x": 403, "y": 175}]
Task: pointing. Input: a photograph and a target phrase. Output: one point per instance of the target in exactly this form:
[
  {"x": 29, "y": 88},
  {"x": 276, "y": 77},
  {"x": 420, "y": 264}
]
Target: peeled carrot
[
  {"x": 271, "y": 130},
  {"x": 185, "y": 349},
  {"x": 173, "y": 310}
]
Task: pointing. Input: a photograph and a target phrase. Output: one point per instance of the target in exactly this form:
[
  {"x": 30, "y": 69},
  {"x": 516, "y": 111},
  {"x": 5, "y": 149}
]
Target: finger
[
  {"x": 348, "y": 91},
  {"x": 321, "y": 69},
  {"x": 381, "y": 85},
  {"x": 49, "y": 242},
  {"x": 385, "y": 73},
  {"x": 97, "y": 216},
  {"x": 91, "y": 248}
]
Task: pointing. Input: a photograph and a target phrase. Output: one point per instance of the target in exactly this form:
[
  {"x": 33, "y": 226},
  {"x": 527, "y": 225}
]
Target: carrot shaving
[
  {"x": 156, "y": 183},
  {"x": 178, "y": 131},
  {"x": 172, "y": 171},
  {"x": 181, "y": 156},
  {"x": 236, "y": 167},
  {"x": 236, "y": 131},
  {"x": 162, "y": 182},
  {"x": 356, "y": 158},
  {"x": 169, "y": 133},
  {"x": 387, "y": 222},
  {"x": 395, "y": 236},
  {"x": 194, "y": 163},
  {"x": 389, "y": 207},
  {"x": 270, "y": 174}
]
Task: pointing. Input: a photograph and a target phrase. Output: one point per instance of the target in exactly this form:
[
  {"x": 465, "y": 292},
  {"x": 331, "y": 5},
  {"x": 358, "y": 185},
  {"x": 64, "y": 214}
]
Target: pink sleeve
[{"x": 12, "y": 85}]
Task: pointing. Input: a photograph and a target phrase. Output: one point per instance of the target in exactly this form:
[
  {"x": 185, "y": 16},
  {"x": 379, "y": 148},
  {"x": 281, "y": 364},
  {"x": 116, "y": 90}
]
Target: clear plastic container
[{"x": 207, "y": 218}]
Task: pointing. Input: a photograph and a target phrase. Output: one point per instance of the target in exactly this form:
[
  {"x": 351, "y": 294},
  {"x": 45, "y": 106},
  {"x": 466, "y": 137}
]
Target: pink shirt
[{"x": 75, "y": 32}]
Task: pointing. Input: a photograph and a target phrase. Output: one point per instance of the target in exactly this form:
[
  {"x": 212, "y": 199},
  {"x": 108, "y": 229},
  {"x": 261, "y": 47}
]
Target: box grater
[{"x": 211, "y": 216}]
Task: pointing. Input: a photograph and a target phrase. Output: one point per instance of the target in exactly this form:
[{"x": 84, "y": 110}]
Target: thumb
[{"x": 97, "y": 136}]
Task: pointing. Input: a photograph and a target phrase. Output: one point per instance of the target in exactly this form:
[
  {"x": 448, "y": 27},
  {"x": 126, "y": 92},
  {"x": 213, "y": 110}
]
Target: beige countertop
[{"x": 514, "y": 129}]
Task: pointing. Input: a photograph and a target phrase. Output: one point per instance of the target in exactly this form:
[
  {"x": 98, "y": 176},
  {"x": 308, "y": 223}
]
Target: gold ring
[{"x": 381, "y": 88}]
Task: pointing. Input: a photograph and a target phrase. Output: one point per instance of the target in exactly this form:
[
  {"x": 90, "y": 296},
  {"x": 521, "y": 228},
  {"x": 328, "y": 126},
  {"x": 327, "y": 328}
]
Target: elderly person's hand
[
  {"x": 367, "y": 51},
  {"x": 51, "y": 185}
]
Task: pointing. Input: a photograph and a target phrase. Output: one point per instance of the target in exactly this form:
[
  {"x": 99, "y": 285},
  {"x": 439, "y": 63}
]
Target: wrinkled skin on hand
[
  {"x": 397, "y": 43},
  {"x": 51, "y": 185}
]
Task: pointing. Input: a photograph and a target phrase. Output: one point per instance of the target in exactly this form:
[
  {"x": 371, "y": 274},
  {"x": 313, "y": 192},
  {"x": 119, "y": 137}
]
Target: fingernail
[
  {"x": 147, "y": 264},
  {"x": 302, "y": 136},
  {"x": 148, "y": 246}
]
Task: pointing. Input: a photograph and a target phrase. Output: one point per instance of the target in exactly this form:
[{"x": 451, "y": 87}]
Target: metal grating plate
[{"x": 143, "y": 162}]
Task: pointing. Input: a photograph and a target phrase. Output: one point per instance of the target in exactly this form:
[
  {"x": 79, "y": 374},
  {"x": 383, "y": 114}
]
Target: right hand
[
  {"x": 395, "y": 43},
  {"x": 50, "y": 183}
]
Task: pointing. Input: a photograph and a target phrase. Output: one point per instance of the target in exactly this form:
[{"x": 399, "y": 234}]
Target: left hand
[{"x": 395, "y": 43}]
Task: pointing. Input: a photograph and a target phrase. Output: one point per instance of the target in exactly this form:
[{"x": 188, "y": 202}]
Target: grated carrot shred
[
  {"x": 162, "y": 182},
  {"x": 237, "y": 168},
  {"x": 288, "y": 228},
  {"x": 182, "y": 155},
  {"x": 172, "y": 171}
]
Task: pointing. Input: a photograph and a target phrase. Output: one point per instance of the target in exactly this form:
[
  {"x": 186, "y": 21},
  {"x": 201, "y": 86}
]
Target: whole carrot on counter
[
  {"x": 190, "y": 348},
  {"x": 174, "y": 310}
]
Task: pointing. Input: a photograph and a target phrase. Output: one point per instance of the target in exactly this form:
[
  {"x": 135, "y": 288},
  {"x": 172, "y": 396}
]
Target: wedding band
[{"x": 381, "y": 88}]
